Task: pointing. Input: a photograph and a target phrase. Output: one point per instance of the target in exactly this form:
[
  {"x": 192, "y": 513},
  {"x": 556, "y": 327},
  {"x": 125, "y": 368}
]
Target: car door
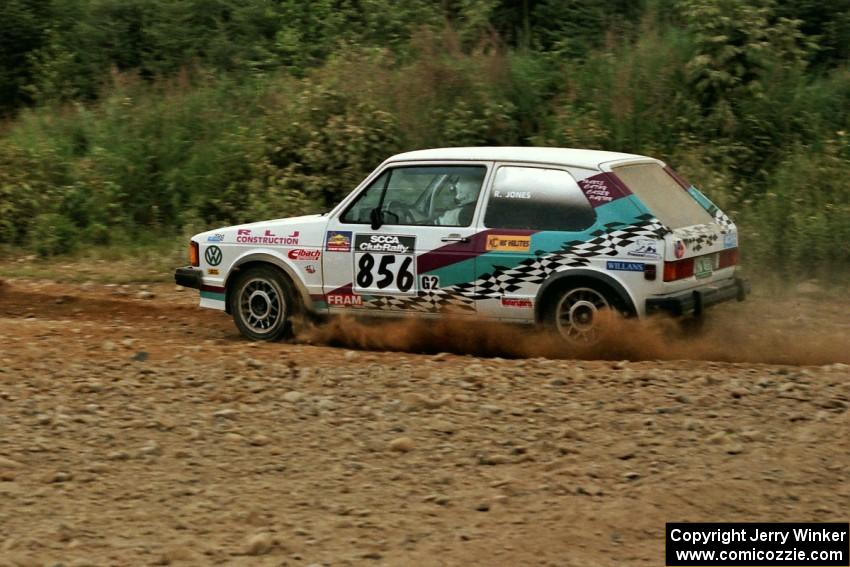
[
  {"x": 531, "y": 214},
  {"x": 420, "y": 255}
]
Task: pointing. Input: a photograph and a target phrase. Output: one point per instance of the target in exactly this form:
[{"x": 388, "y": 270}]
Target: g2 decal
[{"x": 429, "y": 283}]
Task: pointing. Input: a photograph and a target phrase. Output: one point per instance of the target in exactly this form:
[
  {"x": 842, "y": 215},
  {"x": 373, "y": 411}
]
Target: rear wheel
[
  {"x": 578, "y": 313},
  {"x": 262, "y": 303}
]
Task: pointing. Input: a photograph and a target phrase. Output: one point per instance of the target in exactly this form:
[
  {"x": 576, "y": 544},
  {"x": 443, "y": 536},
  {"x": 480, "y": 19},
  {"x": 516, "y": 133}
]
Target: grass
[{"x": 141, "y": 263}]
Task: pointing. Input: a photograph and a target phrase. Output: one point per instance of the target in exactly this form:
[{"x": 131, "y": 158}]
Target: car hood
[{"x": 306, "y": 230}]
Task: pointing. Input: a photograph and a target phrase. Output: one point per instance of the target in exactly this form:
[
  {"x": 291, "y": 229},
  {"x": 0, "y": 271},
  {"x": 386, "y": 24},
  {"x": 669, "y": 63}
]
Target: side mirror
[{"x": 377, "y": 218}]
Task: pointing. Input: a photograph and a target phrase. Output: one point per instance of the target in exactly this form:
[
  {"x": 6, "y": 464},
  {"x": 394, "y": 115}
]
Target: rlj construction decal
[
  {"x": 508, "y": 243},
  {"x": 384, "y": 243},
  {"x": 246, "y": 236},
  {"x": 625, "y": 266},
  {"x": 338, "y": 241}
]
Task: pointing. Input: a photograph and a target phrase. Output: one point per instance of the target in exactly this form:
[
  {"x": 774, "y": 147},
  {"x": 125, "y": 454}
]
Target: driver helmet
[{"x": 466, "y": 190}]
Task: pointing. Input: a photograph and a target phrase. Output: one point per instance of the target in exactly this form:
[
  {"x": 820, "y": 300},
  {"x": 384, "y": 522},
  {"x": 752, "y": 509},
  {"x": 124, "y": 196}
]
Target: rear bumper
[
  {"x": 188, "y": 277},
  {"x": 692, "y": 302}
]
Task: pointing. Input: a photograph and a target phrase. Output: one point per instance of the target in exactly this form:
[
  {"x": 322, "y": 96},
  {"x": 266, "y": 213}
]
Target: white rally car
[{"x": 534, "y": 235}]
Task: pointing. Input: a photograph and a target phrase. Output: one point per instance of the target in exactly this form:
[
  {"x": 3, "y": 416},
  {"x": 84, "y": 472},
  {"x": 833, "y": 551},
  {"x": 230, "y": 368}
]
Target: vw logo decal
[{"x": 213, "y": 255}]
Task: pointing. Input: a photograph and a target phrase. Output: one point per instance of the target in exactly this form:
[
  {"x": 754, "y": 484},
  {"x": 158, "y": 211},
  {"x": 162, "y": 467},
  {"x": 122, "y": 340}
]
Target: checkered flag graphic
[
  {"x": 609, "y": 241},
  {"x": 724, "y": 221}
]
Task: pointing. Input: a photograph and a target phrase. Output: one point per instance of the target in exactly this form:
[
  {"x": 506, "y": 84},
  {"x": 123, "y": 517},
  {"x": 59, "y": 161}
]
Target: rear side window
[
  {"x": 536, "y": 198},
  {"x": 662, "y": 195}
]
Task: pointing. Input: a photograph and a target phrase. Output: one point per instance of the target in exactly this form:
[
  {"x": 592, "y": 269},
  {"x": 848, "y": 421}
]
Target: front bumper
[
  {"x": 188, "y": 277},
  {"x": 692, "y": 302}
]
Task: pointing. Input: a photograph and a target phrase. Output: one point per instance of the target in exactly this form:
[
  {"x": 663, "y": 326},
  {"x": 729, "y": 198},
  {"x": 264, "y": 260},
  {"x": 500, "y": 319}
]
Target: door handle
[{"x": 455, "y": 238}]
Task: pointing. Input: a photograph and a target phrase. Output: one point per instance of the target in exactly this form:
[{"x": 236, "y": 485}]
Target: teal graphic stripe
[
  {"x": 544, "y": 242},
  {"x": 704, "y": 201},
  {"x": 212, "y": 295}
]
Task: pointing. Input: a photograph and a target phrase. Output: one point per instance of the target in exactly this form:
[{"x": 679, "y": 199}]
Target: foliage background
[{"x": 131, "y": 121}]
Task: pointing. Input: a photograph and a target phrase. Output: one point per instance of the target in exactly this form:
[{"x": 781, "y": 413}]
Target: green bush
[{"x": 156, "y": 120}]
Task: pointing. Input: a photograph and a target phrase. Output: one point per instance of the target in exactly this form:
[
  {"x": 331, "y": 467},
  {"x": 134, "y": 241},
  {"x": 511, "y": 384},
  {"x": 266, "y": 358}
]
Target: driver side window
[{"x": 420, "y": 196}]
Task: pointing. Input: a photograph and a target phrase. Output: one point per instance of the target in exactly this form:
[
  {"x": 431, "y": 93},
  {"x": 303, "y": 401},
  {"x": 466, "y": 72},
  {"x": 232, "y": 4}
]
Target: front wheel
[
  {"x": 578, "y": 313},
  {"x": 261, "y": 304}
]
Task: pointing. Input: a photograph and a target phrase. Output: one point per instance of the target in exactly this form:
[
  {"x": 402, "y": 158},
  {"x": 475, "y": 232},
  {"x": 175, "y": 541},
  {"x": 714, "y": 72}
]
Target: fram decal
[
  {"x": 246, "y": 236},
  {"x": 625, "y": 266},
  {"x": 517, "y": 302},
  {"x": 301, "y": 254},
  {"x": 644, "y": 248},
  {"x": 344, "y": 300},
  {"x": 338, "y": 241},
  {"x": 508, "y": 243}
]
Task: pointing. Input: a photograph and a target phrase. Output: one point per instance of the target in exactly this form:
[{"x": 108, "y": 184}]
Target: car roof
[{"x": 590, "y": 159}]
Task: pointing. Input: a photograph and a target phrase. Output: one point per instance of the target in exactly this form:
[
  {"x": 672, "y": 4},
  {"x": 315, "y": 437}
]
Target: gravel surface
[{"x": 138, "y": 429}]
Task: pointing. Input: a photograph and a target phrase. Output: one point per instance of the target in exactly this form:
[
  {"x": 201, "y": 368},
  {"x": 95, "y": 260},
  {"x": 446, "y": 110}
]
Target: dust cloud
[{"x": 727, "y": 336}]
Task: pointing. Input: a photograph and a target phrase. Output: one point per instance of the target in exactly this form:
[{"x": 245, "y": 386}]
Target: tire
[
  {"x": 262, "y": 303},
  {"x": 576, "y": 311}
]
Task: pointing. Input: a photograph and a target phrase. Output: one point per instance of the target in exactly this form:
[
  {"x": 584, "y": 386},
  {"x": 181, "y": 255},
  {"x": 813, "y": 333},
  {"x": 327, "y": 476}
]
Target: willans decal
[{"x": 625, "y": 266}]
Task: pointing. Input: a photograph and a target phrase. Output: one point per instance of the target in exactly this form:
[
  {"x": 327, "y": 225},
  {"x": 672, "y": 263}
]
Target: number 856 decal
[{"x": 387, "y": 273}]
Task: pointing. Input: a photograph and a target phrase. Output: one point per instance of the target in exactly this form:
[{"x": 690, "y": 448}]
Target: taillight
[
  {"x": 728, "y": 257},
  {"x": 678, "y": 270},
  {"x": 194, "y": 255}
]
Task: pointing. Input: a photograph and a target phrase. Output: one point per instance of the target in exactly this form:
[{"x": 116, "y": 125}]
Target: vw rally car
[{"x": 536, "y": 235}]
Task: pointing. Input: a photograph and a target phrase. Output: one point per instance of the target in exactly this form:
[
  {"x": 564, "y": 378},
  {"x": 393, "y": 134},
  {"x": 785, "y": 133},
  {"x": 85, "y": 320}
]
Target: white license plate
[{"x": 703, "y": 266}]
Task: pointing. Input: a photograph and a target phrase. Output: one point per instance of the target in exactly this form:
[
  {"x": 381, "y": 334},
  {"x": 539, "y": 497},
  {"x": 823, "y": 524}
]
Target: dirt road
[{"x": 137, "y": 429}]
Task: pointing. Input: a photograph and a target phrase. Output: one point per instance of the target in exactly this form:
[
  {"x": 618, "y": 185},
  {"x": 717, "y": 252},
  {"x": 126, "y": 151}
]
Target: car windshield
[
  {"x": 662, "y": 195},
  {"x": 420, "y": 195}
]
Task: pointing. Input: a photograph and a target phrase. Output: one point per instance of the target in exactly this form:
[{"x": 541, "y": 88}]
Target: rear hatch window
[{"x": 662, "y": 195}]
